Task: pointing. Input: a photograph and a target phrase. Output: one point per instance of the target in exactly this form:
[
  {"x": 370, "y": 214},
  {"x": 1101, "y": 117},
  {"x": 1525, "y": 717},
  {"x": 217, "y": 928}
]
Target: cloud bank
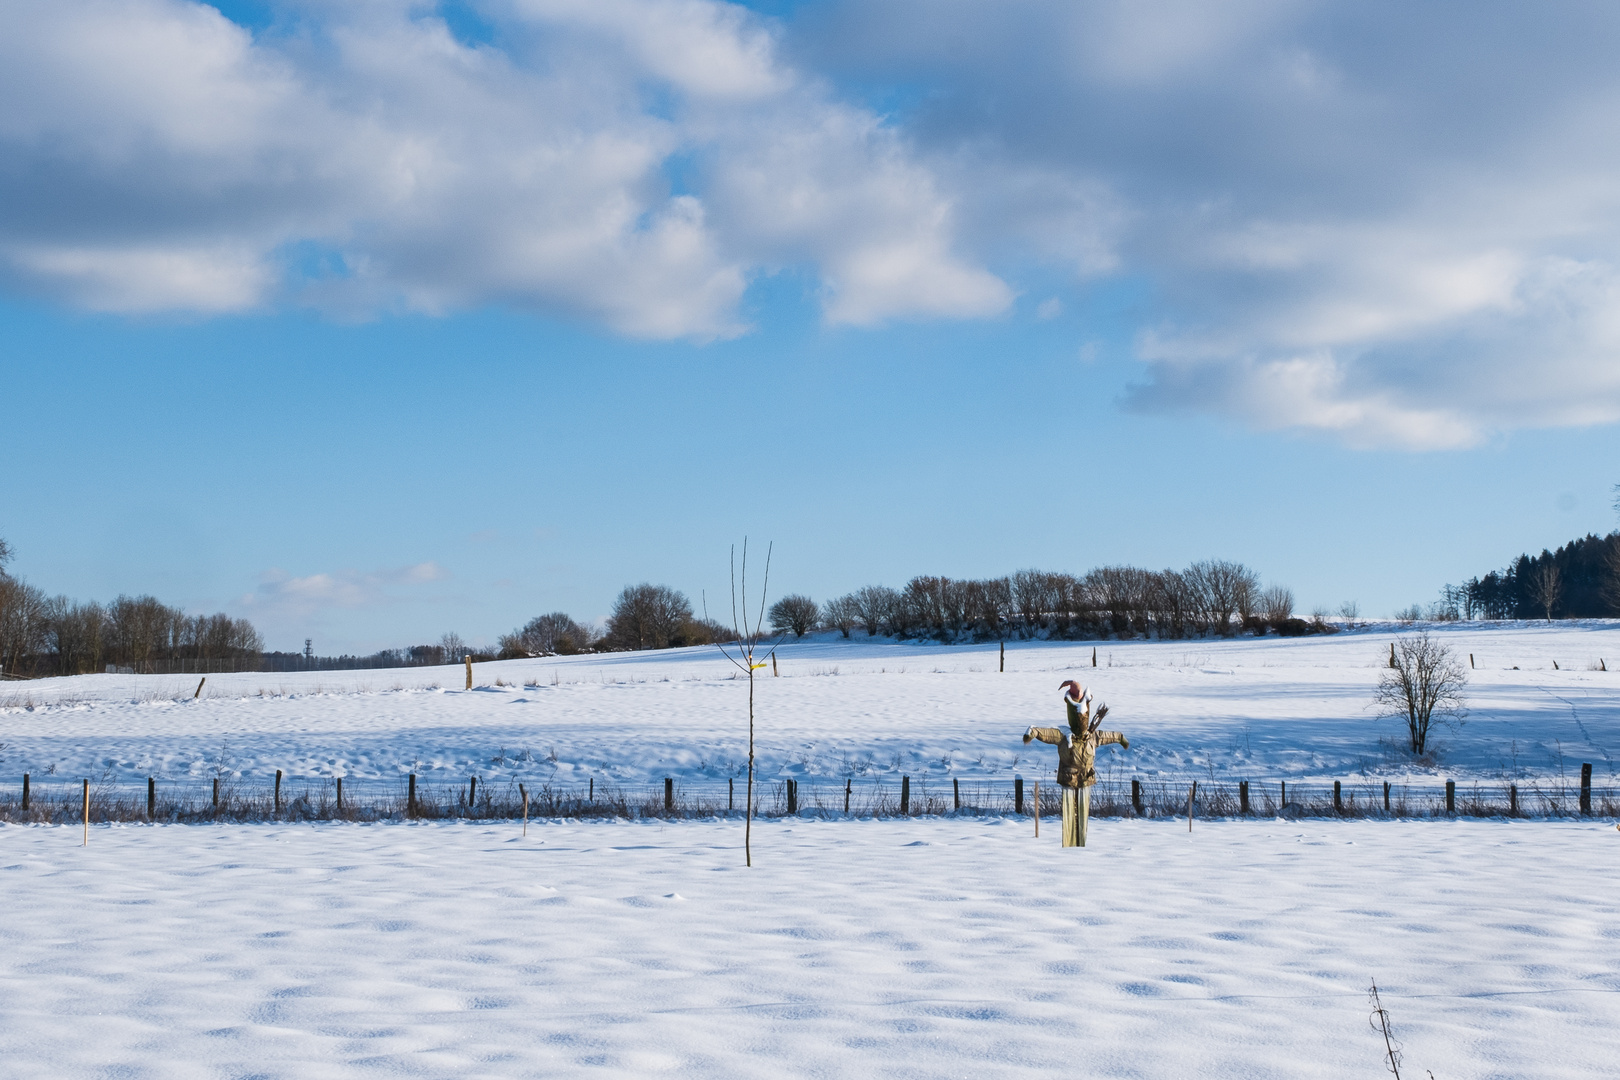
[{"x": 1395, "y": 224}]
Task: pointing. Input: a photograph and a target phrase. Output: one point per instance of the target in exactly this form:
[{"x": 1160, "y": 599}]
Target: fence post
[
  {"x": 593, "y": 789},
  {"x": 151, "y": 798},
  {"x": 1586, "y": 787},
  {"x": 1243, "y": 796},
  {"x": 956, "y": 791},
  {"x": 86, "y": 813},
  {"x": 340, "y": 794},
  {"x": 848, "y": 785},
  {"x": 278, "y": 791},
  {"x": 1513, "y": 800},
  {"x": 410, "y": 798},
  {"x": 1018, "y": 794},
  {"x": 1451, "y": 796},
  {"x": 905, "y": 795},
  {"x": 523, "y": 791},
  {"x": 469, "y": 672},
  {"x": 1094, "y": 656},
  {"x": 669, "y": 793},
  {"x": 472, "y": 794},
  {"x": 25, "y": 791},
  {"x": 1037, "y": 801},
  {"x": 731, "y": 793},
  {"x": 1338, "y": 801},
  {"x": 1136, "y": 797},
  {"x": 1192, "y": 793},
  {"x": 1003, "y": 656},
  {"x": 1386, "y": 796},
  {"x": 793, "y": 797}
]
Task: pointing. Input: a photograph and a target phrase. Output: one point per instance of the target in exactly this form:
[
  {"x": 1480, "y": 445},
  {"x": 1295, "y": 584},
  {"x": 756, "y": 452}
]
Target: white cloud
[
  {"x": 281, "y": 595},
  {"x": 1374, "y": 220},
  {"x": 158, "y": 157}
]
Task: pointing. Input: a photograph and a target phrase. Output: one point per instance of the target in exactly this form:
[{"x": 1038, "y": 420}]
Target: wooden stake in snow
[
  {"x": 469, "y": 672},
  {"x": 1192, "y": 792},
  {"x": 86, "y": 814},
  {"x": 1094, "y": 656},
  {"x": 1470, "y": 660},
  {"x": 774, "y": 673},
  {"x": 1392, "y": 654},
  {"x": 848, "y": 787},
  {"x": 25, "y": 791},
  {"x": 1037, "y": 809},
  {"x": 200, "y": 682},
  {"x": 339, "y": 785},
  {"x": 1003, "y": 656},
  {"x": 524, "y": 792}
]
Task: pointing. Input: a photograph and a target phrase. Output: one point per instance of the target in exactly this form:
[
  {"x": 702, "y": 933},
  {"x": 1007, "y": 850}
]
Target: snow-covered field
[
  {"x": 928, "y": 948},
  {"x": 1252, "y": 708}
]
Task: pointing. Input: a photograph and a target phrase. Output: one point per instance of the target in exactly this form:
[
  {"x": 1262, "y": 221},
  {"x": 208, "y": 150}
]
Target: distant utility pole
[{"x": 309, "y": 653}]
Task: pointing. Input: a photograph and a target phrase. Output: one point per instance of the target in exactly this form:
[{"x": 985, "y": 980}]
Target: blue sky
[{"x": 372, "y": 322}]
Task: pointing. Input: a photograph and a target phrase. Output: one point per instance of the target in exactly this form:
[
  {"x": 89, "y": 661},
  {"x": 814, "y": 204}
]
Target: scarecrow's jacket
[{"x": 1076, "y": 755}]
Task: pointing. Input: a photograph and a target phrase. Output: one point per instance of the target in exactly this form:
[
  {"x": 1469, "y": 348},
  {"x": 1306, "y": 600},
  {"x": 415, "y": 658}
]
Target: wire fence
[{"x": 279, "y": 798}]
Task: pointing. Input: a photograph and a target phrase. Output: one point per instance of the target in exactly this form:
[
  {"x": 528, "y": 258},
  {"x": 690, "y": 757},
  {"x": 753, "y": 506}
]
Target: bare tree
[
  {"x": 874, "y": 607},
  {"x": 5, "y": 555},
  {"x": 841, "y": 614},
  {"x": 1223, "y": 588},
  {"x": 1425, "y": 684},
  {"x": 1276, "y": 604},
  {"x": 1546, "y": 586},
  {"x": 23, "y": 624},
  {"x": 453, "y": 648},
  {"x": 648, "y": 616},
  {"x": 794, "y": 613},
  {"x": 547, "y": 635},
  {"x": 749, "y": 660}
]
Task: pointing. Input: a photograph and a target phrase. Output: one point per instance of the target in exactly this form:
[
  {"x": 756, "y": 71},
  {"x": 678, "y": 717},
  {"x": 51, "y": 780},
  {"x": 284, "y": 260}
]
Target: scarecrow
[{"x": 1077, "y": 753}]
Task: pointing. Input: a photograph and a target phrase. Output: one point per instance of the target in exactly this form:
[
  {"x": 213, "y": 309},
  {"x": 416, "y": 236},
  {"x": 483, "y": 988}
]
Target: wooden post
[
  {"x": 1513, "y": 800},
  {"x": 86, "y": 814},
  {"x": 1555, "y": 665},
  {"x": 905, "y": 795},
  {"x": 593, "y": 789},
  {"x": 956, "y": 791},
  {"x": 669, "y": 793},
  {"x": 472, "y": 794},
  {"x": 1586, "y": 787},
  {"x": 523, "y": 791},
  {"x": 1470, "y": 660},
  {"x": 278, "y": 791},
  {"x": 1003, "y": 656},
  {"x": 1136, "y": 797},
  {"x": 1284, "y": 795},
  {"x": 469, "y": 672},
  {"x": 849, "y": 785},
  {"x": 1094, "y": 656},
  {"x": 1018, "y": 794},
  {"x": 1392, "y": 654},
  {"x": 200, "y": 682},
  {"x": 1243, "y": 796},
  {"x": 1037, "y": 809},
  {"x": 410, "y": 798},
  {"x": 1338, "y": 801},
  {"x": 731, "y": 793},
  {"x": 1192, "y": 793},
  {"x": 774, "y": 672},
  {"x": 1451, "y": 796},
  {"x": 1386, "y": 796},
  {"x": 25, "y": 791},
  {"x": 340, "y": 794},
  {"x": 151, "y": 798}
]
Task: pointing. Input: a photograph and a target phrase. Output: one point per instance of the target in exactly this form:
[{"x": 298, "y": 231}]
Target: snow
[
  {"x": 931, "y": 947},
  {"x": 1295, "y": 710},
  {"x": 925, "y": 948}
]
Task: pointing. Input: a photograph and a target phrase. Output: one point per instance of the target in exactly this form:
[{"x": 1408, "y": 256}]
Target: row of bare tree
[
  {"x": 42, "y": 634},
  {"x": 1210, "y": 597}
]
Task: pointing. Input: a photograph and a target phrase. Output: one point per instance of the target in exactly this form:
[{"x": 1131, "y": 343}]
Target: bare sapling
[
  {"x": 748, "y": 660},
  {"x": 1423, "y": 684}
]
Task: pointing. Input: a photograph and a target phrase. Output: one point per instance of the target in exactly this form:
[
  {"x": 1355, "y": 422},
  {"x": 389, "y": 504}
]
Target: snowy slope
[
  {"x": 932, "y": 948},
  {"x": 1260, "y": 708}
]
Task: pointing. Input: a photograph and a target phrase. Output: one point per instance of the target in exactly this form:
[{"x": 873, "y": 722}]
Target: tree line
[
  {"x": 1211, "y": 597},
  {"x": 1580, "y": 580},
  {"x": 55, "y": 635}
]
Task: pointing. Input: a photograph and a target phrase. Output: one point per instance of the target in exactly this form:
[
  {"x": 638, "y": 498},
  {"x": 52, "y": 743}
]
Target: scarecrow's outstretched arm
[
  {"x": 1106, "y": 737},
  {"x": 1045, "y": 734}
]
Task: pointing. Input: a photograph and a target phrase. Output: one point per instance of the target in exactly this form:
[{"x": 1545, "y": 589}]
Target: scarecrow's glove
[
  {"x": 1124, "y": 743},
  {"x": 1029, "y": 734}
]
